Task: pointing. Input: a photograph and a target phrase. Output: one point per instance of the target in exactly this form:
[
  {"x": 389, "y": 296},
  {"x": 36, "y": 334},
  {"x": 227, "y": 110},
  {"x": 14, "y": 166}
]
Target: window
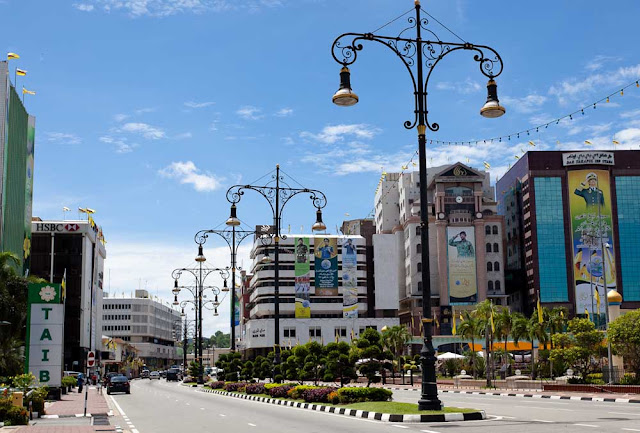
[
  {"x": 488, "y": 248},
  {"x": 495, "y": 230},
  {"x": 496, "y": 266},
  {"x": 289, "y": 332},
  {"x": 418, "y": 231},
  {"x": 419, "y": 249},
  {"x": 497, "y": 285},
  {"x": 487, "y": 230},
  {"x": 495, "y": 248},
  {"x": 419, "y": 286},
  {"x": 489, "y": 267},
  {"x": 419, "y": 267},
  {"x": 490, "y": 285},
  {"x": 341, "y": 331},
  {"x": 315, "y": 331}
]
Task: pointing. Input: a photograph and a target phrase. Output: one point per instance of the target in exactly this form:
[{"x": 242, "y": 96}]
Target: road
[{"x": 161, "y": 407}]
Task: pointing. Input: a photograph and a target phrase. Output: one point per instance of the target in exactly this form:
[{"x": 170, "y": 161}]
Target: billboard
[
  {"x": 461, "y": 265},
  {"x": 349, "y": 279},
  {"x": 326, "y": 266},
  {"x": 302, "y": 269},
  {"x": 592, "y": 239},
  {"x": 45, "y": 333},
  {"x": 28, "y": 196}
]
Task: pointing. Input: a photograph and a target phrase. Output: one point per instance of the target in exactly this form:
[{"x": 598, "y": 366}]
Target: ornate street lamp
[
  {"x": 417, "y": 53},
  {"x": 277, "y": 192}
]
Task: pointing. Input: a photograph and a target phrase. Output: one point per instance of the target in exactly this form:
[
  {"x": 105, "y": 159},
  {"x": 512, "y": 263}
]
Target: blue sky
[{"x": 148, "y": 110}]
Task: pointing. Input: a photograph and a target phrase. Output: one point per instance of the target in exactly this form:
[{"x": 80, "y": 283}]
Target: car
[
  {"x": 119, "y": 384},
  {"x": 144, "y": 374},
  {"x": 163, "y": 373},
  {"x": 108, "y": 376},
  {"x": 154, "y": 375},
  {"x": 173, "y": 374}
]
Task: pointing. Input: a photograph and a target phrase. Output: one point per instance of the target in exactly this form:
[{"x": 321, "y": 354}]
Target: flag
[
  {"x": 562, "y": 314},
  {"x": 487, "y": 165},
  {"x": 437, "y": 322},
  {"x": 11, "y": 56},
  {"x": 352, "y": 335},
  {"x": 616, "y": 142},
  {"x": 539, "y": 311},
  {"x": 337, "y": 337},
  {"x": 21, "y": 72},
  {"x": 28, "y": 92},
  {"x": 531, "y": 143},
  {"x": 587, "y": 313},
  {"x": 493, "y": 326},
  {"x": 65, "y": 209},
  {"x": 516, "y": 156},
  {"x": 64, "y": 285},
  {"x": 461, "y": 318},
  {"x": 598, "y": 300},
  {"x": 587, "y": 142},
  {"x": 453, "y": 329}
]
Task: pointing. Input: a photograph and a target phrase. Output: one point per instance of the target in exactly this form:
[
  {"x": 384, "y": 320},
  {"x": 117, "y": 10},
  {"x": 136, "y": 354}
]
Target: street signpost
[{"x": 91, "y": 359}]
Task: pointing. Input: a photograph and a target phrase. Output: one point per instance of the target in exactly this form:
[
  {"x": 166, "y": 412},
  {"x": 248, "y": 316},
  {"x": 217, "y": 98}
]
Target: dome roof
[{"x": 614, "y": 297}]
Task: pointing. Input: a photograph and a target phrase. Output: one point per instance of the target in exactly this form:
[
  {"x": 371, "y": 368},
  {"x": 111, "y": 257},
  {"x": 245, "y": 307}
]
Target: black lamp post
[
  {"x": 233, "y": 238},
  {"x": 417, "y": 54},
  {"x": 200, "y": 274},
  {"x": 188, "y": 325},
  {"x": 277, "y": 192}
]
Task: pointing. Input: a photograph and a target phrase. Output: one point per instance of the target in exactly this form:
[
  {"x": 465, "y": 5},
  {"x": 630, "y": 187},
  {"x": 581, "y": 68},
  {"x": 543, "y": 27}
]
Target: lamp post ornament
[{"x": 420, "y": 56}]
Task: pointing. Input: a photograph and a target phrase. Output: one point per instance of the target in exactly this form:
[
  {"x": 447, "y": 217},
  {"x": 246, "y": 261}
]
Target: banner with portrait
[
  {"x": 302, "y": 270},
  {"x": 326, "y": 266},
  {"x": 349, "y": 279},
  {"x": 594, "y": 266},
  {"x": 461, "y": 265}
]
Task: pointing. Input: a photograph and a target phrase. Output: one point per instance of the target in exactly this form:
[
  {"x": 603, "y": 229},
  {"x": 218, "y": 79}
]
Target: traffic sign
[{"x": 91, "y": 359}]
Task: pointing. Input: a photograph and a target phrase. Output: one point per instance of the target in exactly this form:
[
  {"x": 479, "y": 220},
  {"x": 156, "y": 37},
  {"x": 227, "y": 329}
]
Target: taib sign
[{"x": 45, "y": 333}]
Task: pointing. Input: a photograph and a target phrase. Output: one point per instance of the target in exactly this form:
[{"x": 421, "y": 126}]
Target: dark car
[
  {"x": 173, "y": 374},
  {"x": 108, "y": 376},
  {"x": 118, "y": 384}
]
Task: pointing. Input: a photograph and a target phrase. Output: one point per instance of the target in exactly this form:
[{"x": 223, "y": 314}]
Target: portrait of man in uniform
[
  {"x": 590, "y": 192},
  {"x": 463, "y": 246}
]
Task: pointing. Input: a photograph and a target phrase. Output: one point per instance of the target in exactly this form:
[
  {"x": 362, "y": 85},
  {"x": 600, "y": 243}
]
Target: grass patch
[{"x": 400, "y": 408}]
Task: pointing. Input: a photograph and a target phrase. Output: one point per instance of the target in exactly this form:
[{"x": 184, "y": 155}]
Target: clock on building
[{"x": 459, "y": 199}]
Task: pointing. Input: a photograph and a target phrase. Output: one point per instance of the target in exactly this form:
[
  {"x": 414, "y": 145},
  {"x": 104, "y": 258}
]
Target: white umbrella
[{"x": 449, "y": 355}]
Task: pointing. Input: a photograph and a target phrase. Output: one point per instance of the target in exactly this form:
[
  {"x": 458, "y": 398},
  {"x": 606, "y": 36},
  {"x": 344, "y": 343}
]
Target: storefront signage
[{"x": 585, "y": 158}]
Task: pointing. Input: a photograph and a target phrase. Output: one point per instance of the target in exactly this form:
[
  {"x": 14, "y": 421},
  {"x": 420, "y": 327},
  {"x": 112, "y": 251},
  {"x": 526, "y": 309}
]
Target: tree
[
  {"x": 471, "y": 328},
  {"x": 369, "y": 353},
  {"x": 194, "y": 369},
  {"x": 247, "y": 372},
  {"x": 624, "y": 333},
  {"x": 313, "y": 362},
  {"x": 219, "y": 339},
  {"x": 556, "y": 321},
  {"x": 504, "y": 325},
  {"x": 395, "y": 339},
  {"x": 262, "y": 367},
  {"x": 579, "y": 347},
  {"x": 231, "y": 364},
  {"x": 340, "y": 362},
  {"x": 485, "y": 311}
]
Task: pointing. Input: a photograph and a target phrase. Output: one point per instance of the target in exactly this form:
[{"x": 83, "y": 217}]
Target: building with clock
[{"x": 465, "y": 242}]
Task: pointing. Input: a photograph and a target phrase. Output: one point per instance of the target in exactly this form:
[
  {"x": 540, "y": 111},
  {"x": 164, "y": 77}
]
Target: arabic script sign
[{"x": 584, "y": 158}]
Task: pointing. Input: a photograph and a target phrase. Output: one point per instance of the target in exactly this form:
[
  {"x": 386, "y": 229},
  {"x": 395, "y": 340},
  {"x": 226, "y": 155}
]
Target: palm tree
[
  {"x": 556, "y": 322},
  {"x": 504, "y": 325},
  {"x": 486, "y": 312},
  {"x": 395, "y": 339},
  {"x": 470, "y": 327},
  {"x": 9, "y": 262},
  {"x": 529, "y": 329}
]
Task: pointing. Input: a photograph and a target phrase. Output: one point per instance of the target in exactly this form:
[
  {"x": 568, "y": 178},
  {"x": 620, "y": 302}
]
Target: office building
[
  {"x": 572, "y": 227},
  {"x": 465, "y": 242},
  {"x": 75, "y": 249},
  {"x": 148, "y": 325}
]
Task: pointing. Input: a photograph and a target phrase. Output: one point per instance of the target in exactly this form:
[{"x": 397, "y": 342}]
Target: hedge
[
  {"x": 296, "y": 393},
  {"x": 356, "y": 395},
  {"x": 280, "y": 391},
  {"x": 216, "y": 385},
  {"x": 317, "y": 395},
  {"x": 235, "y": 386},
  {"x": 255, "y": 388}
]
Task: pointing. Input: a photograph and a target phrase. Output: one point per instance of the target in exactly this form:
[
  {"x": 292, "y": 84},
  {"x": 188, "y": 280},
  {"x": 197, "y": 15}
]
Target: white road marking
[
  {"x": 499, "y": 417},
  {"x": 429, "y": 431},
  {"x": 631, "y": 429},
  {"x": 545, "y": 408},
  {"x": 625, "y": 413},
  {"x": 133, "y": 430},
  {"x": 400, "y": 426},
  {"x": 252, "y": 425},
  {"x": 222, "y": 414},
  {"x": 201, "y": 408},
  {"x": 587, "y": 425},
  {"x": 540, "y": 420}
]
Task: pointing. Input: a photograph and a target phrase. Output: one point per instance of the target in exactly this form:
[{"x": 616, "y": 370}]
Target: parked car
[
  {"x": 163, "y": 373},
  {"x": 154, "y": 375},
  {"x": 119, "y": 384},
  {"x": 173, "y": 374}
]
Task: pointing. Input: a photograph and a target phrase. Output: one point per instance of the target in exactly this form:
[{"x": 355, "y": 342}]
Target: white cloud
[
  {"x": 598, "y": 62},
  {"x": 527, "y": 104},
  {"x": 192, "y": 104},
  {"x": 138, "y": 262},
  {"x": 465, "y": 87},
  {"x": 284, "y": 112},
  {"x": 84, "y": 7},
  {"x": 575, "y": 88},
  {"x": 334, "y": 133},
  {"x": 145, "y": 130},
  {"x": 145, "y": 110},
  {"x": 63, "y": 138},
  {"x": 187, "y": 173},
  {"x": 120, "y": 117},
  {"x": 164, "y": 8},
  {"x": 250, "y": 112},
  {"x": 632, "y": 114},
  {"x": 182, "y": 136},
  {"x": 120, "y": 143}
]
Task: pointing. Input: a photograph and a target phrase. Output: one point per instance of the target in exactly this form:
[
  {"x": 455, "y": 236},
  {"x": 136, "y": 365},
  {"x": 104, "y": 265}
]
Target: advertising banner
[
  {"x": 236, "y": 309},
  {"x": 45, "y": 333},
  {"x": 302, "y": 279},
  {"x": 592, "y": 239},
  {"x": 461, "y": 264},
  {"x": 326, "y": 266},
  {"x": 349, "y": 279},
  {"x": 28, "y": 196}
]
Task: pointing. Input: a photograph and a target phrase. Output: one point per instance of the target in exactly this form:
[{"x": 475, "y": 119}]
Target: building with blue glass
[{"x": 572, "y": 224}]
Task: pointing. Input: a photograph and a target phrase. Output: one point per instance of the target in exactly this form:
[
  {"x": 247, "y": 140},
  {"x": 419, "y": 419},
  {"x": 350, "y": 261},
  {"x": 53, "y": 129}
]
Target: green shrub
[
  {"x": 16, "y": 416},
  {"x": 296, "y": 393},
  {"x": 595, "y": 379},
  {"x": 69, "y": 381},
  {"x": 356, "y": 395},
  {"x": 630, "y": 379}
]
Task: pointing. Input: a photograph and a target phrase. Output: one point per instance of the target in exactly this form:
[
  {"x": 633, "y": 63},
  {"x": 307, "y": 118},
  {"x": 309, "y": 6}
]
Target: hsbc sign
[{"x": 56, "y": 227}]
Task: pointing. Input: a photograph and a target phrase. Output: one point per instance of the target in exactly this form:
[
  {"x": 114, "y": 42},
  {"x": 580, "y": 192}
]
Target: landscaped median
[{"x": 370, "y": 403}]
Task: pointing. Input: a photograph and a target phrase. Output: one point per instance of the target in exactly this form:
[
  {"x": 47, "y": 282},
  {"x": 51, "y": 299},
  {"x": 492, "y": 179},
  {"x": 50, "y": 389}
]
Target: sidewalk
[
  {"x": 72, "y": 404},
  {"x": 62, "y": 429}
]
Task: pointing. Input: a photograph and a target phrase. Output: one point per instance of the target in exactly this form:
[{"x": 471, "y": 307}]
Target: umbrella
[{"x": 449, "y": 355}]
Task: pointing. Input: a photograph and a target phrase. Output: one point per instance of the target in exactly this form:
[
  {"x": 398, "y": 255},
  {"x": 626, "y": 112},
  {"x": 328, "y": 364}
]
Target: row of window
[
  {"x": 490, "y": 229},
  {"x": 117, "y": 307},
  {"x": 117, "y": 328},
  {"x": 316, "y": 331},
  {"x": 116, "y": 317},
  {"x": 493, "y": 267},
  {"x": 496, "y": 248},
  {"x": 493, "y": 286}
]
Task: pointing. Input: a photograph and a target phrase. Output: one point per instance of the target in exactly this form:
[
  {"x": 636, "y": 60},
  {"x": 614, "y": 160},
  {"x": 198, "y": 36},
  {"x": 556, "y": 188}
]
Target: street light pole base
[{"x": 429, "y": 404}]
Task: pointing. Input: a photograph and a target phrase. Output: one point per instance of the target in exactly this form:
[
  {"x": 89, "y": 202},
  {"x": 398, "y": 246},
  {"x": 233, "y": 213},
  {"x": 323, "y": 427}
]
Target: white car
[{"x": 154, "y": 375}]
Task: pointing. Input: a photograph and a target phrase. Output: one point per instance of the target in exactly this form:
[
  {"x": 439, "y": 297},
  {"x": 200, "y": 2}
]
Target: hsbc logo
[
  {"x": 57, "y": 227},
  {"x": 72, "y": 227}
]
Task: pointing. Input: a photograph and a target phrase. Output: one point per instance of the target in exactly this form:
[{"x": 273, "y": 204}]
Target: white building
[
  {"x": 146, "y": 324},
  {"x": 338, "y": 313}
]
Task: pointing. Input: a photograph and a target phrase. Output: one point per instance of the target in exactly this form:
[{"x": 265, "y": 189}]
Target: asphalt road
[{"x": 161, "y": 407}]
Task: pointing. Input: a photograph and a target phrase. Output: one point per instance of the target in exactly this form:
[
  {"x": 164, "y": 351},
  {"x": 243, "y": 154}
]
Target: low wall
[{"x": 619, "y": 389}]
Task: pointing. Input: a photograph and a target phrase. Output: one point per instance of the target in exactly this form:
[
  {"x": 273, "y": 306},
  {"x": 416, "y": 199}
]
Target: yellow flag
[
  {"x": 21, "y": 72},
  {"x": 437, "y": 322},
  {"x": 64, "y": 285},
  {"x": 11, "y": 56},
  {"x": 587, "y": 313},
  {"x": 493, "y": 327},
  {"x": 539, "y": 312},
  {"x": 598, "y": 300},
  {"x": 461, "y": 318},
  {"x": 453, "y": 329},
  {"x": 562, "y": 314},
  {"x": 28, "y": 92}
]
